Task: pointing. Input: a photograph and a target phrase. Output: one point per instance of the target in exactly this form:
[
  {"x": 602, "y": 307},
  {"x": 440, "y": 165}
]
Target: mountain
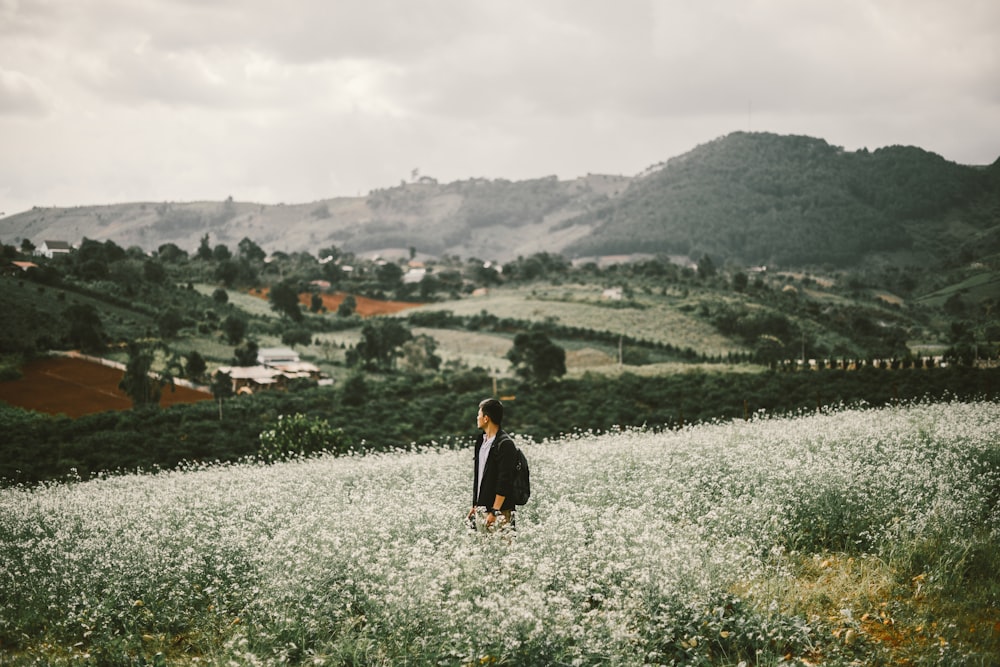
[
  {"x": 788, "y": 200},
  {"x": 472, "y": 218},
  {"x": 753, "y": 198}
]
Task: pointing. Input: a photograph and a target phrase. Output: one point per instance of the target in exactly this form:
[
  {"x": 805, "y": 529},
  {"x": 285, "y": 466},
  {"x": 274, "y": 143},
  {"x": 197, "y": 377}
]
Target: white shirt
[{"x": 484, "y": 453}]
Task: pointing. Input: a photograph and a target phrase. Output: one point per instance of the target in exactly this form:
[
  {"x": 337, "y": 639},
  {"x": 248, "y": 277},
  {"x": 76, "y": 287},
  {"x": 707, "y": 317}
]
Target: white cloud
[
  {"x": 22, "y": 95},
  {"x": 106, "y": 100}
]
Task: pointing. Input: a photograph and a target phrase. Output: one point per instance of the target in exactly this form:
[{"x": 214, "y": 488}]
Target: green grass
[
  {"x": 48, "y": 305},
  {"x": 975, "y": 289},
  {"x": 653, "y": 318}
]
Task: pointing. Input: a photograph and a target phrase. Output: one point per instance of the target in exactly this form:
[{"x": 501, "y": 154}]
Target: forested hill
[
  {"x": 755, "y": 198},
  {"x": 791, "y": 200}
]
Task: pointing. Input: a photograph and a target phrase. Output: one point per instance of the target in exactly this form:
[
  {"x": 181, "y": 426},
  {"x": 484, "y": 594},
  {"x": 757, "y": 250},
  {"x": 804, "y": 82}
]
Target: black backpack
[{"x": 522, "y": 478}]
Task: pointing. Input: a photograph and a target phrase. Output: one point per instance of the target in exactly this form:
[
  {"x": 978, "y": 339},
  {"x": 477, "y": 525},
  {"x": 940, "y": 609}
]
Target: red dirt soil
[
  {"x": 76, "y": 387},
  {"x": 365, "y": 307}
]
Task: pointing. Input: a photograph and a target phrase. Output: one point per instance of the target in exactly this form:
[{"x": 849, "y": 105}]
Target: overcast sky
[{"x": 105, "y": 101}]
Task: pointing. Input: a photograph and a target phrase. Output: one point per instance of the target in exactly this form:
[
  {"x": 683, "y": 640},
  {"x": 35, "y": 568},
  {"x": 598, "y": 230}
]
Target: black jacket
[{"x": 498, "y": 475}]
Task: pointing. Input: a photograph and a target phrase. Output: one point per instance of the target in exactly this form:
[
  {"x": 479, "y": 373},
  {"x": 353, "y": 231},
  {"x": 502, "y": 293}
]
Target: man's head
[{"x": 493, "y": 409}]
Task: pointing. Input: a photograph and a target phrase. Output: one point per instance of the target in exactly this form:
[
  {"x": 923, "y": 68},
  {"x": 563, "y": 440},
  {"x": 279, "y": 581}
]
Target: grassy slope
[
  {"x": 656, "y": 319},
  {"x": 857, "y": 537}
]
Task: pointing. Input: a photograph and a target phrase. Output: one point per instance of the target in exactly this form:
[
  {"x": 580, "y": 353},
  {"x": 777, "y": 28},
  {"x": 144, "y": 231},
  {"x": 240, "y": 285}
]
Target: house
[
  {"x": 18, "y": 268},
  {"x": 297, "y": 369},
  {"x": 613, "y": 294},
  {"x": 276, "y": 367},
  {"x": 52, "y": 248},
  {"x": 414, "y": 276},
  {"x": 250, "y": 379},
  {"x": 271, "y": 356}
]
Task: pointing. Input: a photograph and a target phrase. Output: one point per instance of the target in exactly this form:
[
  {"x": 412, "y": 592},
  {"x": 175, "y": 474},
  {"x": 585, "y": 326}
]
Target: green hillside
[
  {"x": 748, "y": 198},
  {"x": 793, "y": 201}
]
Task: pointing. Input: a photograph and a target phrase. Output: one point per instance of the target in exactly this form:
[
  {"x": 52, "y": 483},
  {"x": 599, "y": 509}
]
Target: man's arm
[{"x": 497, "y": 504}]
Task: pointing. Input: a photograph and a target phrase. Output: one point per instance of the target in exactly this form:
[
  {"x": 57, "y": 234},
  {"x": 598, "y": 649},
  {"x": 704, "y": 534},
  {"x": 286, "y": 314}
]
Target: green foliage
[
  {"x": 221, "y": 253},
  {"x": 204, "y": 249},
  {"x": 285, "y": 300},
  {"x": 418, "y": 355},
  {"x": 299, "y": 435},
  {"x": 85, "y": 328},
  {"x": 437, "y": 409},
  {"x": 507, "y": 204},
  {"x": 765, "y": 199},
  {"x": 222, "y": 388},
  {"x": 536, "y": 358},
  {"x": 169, "y": 323},
  {"x": 10, "y": 367},
  {"x": 171, "y": 253},
  {"x": 347, "y": 306},
  {"x": 539, "y": 266},
  {"x": 390, "y": 276},
  {"x": 235, "y": 328},
  {"x": 296, "y": 336},
  {"x": 195, "y": 365},
  {"x": 380, "y": 343},
  {"x": 139, "y": 382},
  {"x": 246, "y": 354},
  {"x": 315, "y": 303},
  {"x": 250, "y": 251}
]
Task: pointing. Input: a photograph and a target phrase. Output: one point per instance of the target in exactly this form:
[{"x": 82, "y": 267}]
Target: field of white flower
[{"x": 637, "y": 547}]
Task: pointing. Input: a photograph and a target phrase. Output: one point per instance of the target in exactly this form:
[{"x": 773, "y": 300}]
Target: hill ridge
[{"x": 748, "y": 197}]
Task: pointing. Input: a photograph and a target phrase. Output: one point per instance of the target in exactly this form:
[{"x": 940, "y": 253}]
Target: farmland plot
[
  {"x": 655, "y": 321},
  {"x": 636, "y": 548}
]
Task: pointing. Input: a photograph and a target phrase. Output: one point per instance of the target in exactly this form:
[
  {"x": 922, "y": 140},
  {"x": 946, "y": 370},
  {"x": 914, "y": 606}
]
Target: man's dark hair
[{"x": 493, "y": 409}]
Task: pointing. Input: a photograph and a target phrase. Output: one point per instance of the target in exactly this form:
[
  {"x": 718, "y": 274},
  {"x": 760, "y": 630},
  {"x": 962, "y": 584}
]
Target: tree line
[{"x": 405, "y": 411}]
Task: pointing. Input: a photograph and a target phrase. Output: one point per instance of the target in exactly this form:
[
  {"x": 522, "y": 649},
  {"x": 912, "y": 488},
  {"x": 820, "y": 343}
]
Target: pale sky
[{"x": 105, "y": 101}]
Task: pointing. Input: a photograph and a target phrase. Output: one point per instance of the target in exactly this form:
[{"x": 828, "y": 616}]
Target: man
[{"x": 493, "y": 469}]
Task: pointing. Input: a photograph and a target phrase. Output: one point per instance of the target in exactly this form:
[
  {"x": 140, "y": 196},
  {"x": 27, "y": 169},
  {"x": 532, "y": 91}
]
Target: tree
[
  {"x": 706, "y": 267},
  {"x": 333, "y": 272},
  {"x": 234, "y": 327},
  {"x": 296, "y": 435},
  {"x": 315, "y": 303},
  {"x": 169, "y": 323},
  {"x": 195, "y": 365},
  {"x": 285, "y": 299},
  {"x": 221, "y": 253},
  {"x": 429, "y": 284},
  {"x": 171, "y": 253},
  {"x": 354, "y": 391},
  {"x": 227, "y": 272},
  {"x": 347, "y": 306},
  {"x": 954, "y": 306},
  {"x": 740, "y": 281},
  {"x": 329, "y": 254},
  {"x": 139, "y": 383},
  {"x": 251, "y": 251},
  {"x": 390, "y": 276},
  {"x": 419, "y": 354},
  {"x": 380, "y": 342},
  {"x": 154, "y": 271},
  {"x": 220, "y": 296},
  {"x": 536, "y": 358},
  {"x": 204, "y": 249},
  {"x": 296, "y": 336},
  {"x": 246, "y": 354},
  {"x": 85, "y": 329},
  {"x": 222, "y": 388}
]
